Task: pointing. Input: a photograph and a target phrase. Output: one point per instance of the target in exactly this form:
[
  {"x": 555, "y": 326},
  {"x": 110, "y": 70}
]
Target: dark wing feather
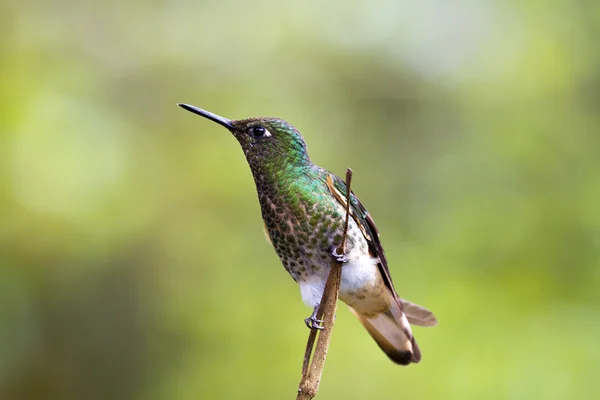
[{"x": 365, "y": 222}]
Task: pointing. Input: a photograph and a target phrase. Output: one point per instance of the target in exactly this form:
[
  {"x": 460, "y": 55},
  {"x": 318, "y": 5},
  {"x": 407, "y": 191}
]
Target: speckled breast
[{"x": 303, "y": 240}]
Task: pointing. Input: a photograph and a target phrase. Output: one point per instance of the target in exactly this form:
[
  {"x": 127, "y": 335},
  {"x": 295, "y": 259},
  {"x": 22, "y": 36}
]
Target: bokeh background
[{"x": 132, "y": 259}]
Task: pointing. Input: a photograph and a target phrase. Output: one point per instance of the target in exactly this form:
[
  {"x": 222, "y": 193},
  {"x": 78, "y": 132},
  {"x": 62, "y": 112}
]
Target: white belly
[{"x": 359, "y": 273}]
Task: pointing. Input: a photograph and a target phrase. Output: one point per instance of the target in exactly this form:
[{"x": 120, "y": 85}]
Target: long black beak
[{"x": 219, "y": 120}]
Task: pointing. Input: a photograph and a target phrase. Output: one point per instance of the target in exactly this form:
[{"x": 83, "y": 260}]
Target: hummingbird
[{"x": 304, "y": 210}]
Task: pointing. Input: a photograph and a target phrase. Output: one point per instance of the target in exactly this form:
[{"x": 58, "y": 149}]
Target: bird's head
[{"x": 264, "y": 140}]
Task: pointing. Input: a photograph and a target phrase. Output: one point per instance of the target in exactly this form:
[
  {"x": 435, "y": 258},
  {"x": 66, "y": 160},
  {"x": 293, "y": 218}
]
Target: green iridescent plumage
[{"x": 302, "y": 218}]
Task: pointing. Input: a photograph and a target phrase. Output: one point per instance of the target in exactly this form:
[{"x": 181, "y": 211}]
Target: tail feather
[
  {"x": 391, "y": 330},
  {"x": 418, "y": 315}
]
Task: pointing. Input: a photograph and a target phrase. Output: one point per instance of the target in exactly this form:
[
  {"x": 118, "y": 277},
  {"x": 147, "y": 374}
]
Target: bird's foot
[
  {"x": 312, "y": 322},
  {"x": 338, "y": 258}
]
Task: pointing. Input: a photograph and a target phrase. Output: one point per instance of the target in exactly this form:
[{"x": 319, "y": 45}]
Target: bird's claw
[
  {"x": 314, "y": 323},
  {"x": 338, "y": 258}
]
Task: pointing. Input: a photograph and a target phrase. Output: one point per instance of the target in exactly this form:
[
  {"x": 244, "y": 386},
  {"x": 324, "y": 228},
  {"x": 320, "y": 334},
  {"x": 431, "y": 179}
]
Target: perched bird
[{"x": 303, "y": 208}]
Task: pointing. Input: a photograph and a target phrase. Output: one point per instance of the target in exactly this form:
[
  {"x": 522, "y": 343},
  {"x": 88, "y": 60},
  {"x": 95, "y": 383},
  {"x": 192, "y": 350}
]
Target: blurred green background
[{"x": 132, "y": 259}]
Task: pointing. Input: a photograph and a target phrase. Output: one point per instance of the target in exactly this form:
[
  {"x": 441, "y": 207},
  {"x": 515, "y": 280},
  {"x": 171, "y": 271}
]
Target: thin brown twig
[
  {"x": 309, "y": 347},
  {"x": 312, "y": 372},
  {"x": 348, "y": 192}
]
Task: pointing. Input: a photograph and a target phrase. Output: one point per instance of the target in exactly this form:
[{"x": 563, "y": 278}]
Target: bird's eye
[{"x": 257, "y": 131}]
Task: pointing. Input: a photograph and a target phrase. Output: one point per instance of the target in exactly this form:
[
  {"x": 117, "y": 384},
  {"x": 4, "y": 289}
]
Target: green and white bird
[{"x": 303, "y": 208}]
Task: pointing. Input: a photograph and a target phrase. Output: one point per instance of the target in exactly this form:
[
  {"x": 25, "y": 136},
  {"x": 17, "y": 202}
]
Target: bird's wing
[{"x": 366, "y": 224}]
